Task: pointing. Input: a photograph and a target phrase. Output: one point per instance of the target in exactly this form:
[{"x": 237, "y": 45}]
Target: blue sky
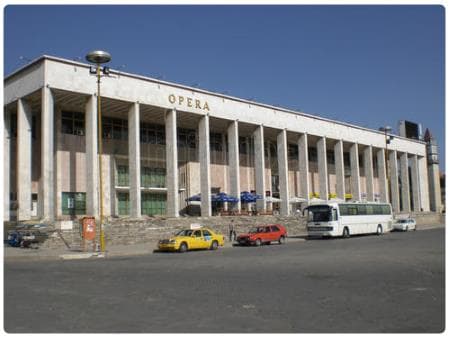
[{"x": 367, "y": 65}]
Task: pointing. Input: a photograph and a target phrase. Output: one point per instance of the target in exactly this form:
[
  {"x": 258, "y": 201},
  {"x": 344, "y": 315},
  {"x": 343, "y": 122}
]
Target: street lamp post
[
  {"x": 99, "y": 57},
  {"x": 387, "y": 140}
]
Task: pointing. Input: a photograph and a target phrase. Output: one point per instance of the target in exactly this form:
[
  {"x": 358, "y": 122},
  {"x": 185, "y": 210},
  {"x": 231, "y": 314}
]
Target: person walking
[{"x": 232, "y": 231}]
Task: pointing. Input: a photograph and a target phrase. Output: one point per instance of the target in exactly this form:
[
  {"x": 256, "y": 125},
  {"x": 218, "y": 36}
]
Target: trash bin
[
  {"x": 88, "y": 224},
  {"x": 88, "y": 231}
]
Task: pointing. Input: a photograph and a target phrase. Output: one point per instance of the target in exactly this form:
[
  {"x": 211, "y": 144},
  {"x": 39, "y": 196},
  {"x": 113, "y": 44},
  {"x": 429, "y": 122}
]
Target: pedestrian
[{"x": 232, "y": 231}]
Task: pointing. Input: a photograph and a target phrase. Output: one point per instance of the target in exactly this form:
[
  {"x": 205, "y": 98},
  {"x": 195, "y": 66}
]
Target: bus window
[
  {"x": 335, "y": 215},
  {"x": 319, "y": 213},
  {"x": 362, "y": 210}
]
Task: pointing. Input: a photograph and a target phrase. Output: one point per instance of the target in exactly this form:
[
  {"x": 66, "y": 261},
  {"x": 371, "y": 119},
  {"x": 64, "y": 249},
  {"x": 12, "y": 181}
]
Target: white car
[{"x": 405, "y": 224}]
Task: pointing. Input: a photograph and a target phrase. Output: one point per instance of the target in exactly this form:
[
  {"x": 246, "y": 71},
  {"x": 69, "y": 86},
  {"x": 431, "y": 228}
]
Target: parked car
[
  {"x": 264, "y": 234},
  {"x": 192, "y": 239},
  {"x": 404, "y": 224}
]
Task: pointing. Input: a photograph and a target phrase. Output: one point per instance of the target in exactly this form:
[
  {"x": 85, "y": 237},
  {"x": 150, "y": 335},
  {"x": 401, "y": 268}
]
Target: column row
[{"x": 411, "y": 168}]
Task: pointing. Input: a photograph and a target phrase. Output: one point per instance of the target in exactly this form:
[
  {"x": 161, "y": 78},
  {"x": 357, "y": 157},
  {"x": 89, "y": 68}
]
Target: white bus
[{"x": 347, "y": 218}]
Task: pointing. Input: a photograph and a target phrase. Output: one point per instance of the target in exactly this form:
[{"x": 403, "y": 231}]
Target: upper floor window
[
  {"x": 215, "y": 141},
  {"x": 242, "y": 145},
  {"x": 72, "y": 123},
  {"x": 153, "y": 133},
  {"x": 293, "y": 151},
  {"x": 312, "y": 154},
  {"x": 187, "y": 138},
  {"x": 116, "y": 129}
]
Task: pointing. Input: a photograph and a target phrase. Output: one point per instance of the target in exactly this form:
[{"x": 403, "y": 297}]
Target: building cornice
[{"x": 199, "y": 90}]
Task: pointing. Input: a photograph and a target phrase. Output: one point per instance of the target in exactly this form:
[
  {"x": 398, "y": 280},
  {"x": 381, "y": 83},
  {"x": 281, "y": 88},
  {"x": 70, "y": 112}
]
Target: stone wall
[{"x": 127, "y": 231}]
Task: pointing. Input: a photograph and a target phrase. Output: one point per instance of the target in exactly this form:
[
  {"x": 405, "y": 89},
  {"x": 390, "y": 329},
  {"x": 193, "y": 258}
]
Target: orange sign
[{"x": 89, "y": 228}]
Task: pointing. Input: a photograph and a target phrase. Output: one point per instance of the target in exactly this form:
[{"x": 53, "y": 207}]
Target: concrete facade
[{"x": 163, "y": 142}]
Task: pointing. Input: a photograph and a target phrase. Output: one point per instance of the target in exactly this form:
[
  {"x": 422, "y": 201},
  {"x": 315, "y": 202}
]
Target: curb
[{"x": 82, "y": 255}]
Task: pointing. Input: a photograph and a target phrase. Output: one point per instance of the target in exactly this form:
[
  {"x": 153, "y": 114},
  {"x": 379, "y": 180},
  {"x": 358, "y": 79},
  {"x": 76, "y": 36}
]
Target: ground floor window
[
  {"x": 124, "y": 203},
  {"x": 73, "y": 203},
  {"x": 153, "y": 177},
  {"x": 153, "y": 204}
]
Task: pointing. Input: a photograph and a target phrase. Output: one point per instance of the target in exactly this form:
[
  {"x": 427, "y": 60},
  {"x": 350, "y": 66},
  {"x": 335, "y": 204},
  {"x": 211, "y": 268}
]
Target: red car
[{"x": 264, "y": 234}]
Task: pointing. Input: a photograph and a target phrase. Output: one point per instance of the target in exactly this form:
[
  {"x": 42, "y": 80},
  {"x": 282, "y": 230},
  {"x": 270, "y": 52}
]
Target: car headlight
[{"x": 172, "y": 241}]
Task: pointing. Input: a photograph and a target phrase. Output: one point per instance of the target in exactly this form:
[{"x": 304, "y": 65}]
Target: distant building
[
  {"x": 433, "y": 172},
  {"x": 165, "y": 142}
]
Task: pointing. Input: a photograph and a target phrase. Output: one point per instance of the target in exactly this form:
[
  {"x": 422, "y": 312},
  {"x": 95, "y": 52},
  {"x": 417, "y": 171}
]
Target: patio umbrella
[
  {"x": 247, "y": 197},
  {"x": 194, "y": 198},
  {"x": 297, "y": 200}
]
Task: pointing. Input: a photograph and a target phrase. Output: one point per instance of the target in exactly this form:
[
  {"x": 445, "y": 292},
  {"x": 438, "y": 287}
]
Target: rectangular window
[
  {"x": 362, "y": 210},
  {"x": 386, "y": 209},
  {"x": 377, "y": 209},
  {"x": 124, "y": 203},
  {"x": 116, "y": 129},
  {"x": 242, "y": 145},
  {"x": 343, "y": 209},
  {"x": 73, "y": 203},
  {"x": 153, "y": 204},
  {"x": 293, "y": 151},
  {"x": 215, "y": 141},
  {"x": 346, "y": 159},
  {"x": 330, "y": 156},
  {"x": 123, "y": 178},
  {"x": 186, "y": 138},
  {"x": 352, "y": 210},
  {"x": 153, "y": 177},
  {"x": 312, "y": 154},
  {"x": 153, "y": 133},
  {"x": 72, "y": 123}
]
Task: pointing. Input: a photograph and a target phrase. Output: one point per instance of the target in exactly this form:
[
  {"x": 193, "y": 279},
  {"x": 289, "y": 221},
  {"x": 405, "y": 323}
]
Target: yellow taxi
[{"x": 192, "y": 239}]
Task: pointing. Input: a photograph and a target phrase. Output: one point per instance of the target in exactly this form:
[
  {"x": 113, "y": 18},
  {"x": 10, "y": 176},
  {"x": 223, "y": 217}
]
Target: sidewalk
[{"x": 22, "y": 254}]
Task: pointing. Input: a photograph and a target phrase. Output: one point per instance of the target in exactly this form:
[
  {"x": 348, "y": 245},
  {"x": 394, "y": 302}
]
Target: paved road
[{"x": 392, "y": 283}]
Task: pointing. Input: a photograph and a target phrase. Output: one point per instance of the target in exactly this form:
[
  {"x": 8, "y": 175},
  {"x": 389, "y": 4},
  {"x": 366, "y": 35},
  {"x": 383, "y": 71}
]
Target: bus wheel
[
  {"x": 379, "y": 230},
  {"x": 346, "y": 233}
]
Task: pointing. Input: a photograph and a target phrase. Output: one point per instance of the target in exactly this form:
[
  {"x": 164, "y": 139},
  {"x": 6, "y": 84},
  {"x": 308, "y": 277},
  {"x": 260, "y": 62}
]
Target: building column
[
  {"x": 322, "y": 167},
  {"x": 134, "y": 159},
  {"x": 434, "y": 187},
  {"x": 406, "y": 201},
  {"x": 354, "y": 172},
  {"x": 260, "y": 178},
  {"x": 368, "y": 172},
  {"x": 415, "y": 183},
  {"x": 173, "y": 203},
  {"x": 6, "y": 165},
  {"x": 92, "y": 178},
  {"x": 303, "y": 165},
  {"x": 340, "y": 173},
  {"x": 283, "y": 171},
  {"x": 46, "y": 197},
  {"x": 423, "y": 184},
  {"x": 382, "y": 176},
  {"x": 23, "y": 152},
  {"x": 393, "y": 173},
  {"x": 233, "y": 163},
  {"x": 205, "y": 172},
  {"x": 226, "y": 170}
]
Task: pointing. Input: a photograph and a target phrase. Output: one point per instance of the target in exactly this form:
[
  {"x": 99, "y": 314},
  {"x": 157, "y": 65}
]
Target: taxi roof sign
[{"x": 195, "y": 226}]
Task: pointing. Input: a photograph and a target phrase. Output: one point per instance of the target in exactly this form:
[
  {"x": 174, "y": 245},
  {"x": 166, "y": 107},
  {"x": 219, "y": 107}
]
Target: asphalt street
[{"x": 389, "y": 283}]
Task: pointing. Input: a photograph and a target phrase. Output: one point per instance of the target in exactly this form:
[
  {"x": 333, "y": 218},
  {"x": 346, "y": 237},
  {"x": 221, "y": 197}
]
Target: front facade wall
[{"x": 201, "y": 168}]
